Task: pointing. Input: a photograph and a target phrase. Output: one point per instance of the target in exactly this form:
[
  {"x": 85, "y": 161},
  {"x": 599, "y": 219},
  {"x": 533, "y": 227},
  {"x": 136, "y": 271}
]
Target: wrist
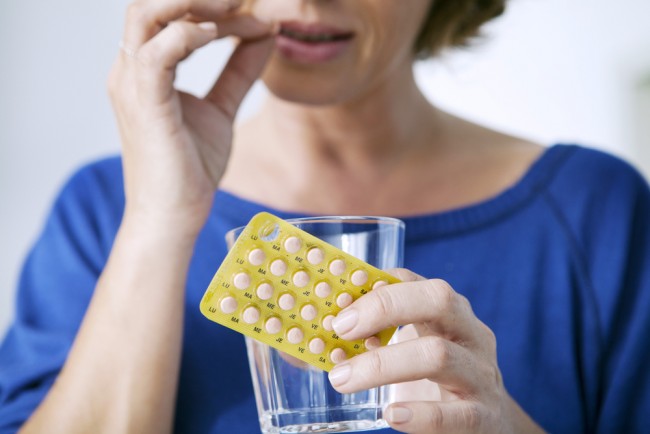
[
  {"x": 520, "y": 421},
  {"x": 157, "y": 231},
  {"x": 179, "y": 229}
]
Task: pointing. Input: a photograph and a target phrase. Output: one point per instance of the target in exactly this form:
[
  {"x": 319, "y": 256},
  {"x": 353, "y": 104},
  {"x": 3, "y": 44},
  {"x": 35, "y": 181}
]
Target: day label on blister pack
[{"x": 282, "y": 286}]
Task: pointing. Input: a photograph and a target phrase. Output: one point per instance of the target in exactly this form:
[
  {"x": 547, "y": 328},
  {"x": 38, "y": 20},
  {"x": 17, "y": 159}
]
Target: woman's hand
[
  {"x": 452, "y": 349},
  {"x": 175, "y": 145}
]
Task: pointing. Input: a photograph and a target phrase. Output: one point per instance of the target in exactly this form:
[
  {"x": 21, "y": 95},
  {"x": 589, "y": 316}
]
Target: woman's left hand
[{"x": 453, "y": 348}]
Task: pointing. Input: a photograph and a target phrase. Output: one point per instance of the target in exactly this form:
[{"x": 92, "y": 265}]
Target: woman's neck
[
  {"x": 370, "y": 133},
  {"x": 388, "y": 152}
]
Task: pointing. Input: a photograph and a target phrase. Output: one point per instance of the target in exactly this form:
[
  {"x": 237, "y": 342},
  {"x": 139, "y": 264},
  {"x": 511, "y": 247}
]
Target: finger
[
  {"x": 433, "y": 417},
  {"x": 405, "y": 275},
  {"x": 158, "y": 58},
  {"x": 245, "y": 27},
  {"x": 433, "y": 302},
  {"x": 174, "y": 43},
  {"x": 451, "y": 366},
  {"x": 145, "y": 18},
  {"x": 241, "y": 71}
]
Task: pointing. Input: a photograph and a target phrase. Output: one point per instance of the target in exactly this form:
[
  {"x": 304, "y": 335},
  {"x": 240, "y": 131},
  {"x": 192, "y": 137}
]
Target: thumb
[{"x": 242, "y": 70}]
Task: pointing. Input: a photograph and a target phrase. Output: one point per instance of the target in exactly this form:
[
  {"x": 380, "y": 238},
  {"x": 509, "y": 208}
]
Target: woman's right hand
[{"x": 175, "y": 145}]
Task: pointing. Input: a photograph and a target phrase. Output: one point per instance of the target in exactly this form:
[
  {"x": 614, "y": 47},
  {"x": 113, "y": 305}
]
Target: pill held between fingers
[
  {"x": 359, "y": 278},
  {"x": 265, "y": 291},
  {"x": 308, "y": 312},
  {"x": 256, "y": 257},
  {"x": 278, "y": 267},
  {"x": 337, "y": 355},
  {"x": 242, "y": 281},
  {"x": 344, "y": 300},
  {"x": 315, "y": 256},
  {"x": 292, "y": 244},
  {"x": 316, "y": 346},
  {"x": 287, "y": 301},
  {"x": 295, "y": 335},
  {"x": 337, "y": 267},
  {"x": 251, "y": 315},
  {"x": 301, "y": 279},
  {"x": 379, "y": 284},
  {"x": 372, "y": 343},
  {"x": 323, "y": 289},
  {"x": 273, "y": 325},
  {"x": 228, "y": 305},
  {"x": 327, "y": 322}
]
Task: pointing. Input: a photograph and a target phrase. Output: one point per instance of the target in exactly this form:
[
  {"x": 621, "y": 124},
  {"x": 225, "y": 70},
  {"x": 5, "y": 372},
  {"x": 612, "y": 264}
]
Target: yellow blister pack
[{"x": 282, "y": 286}]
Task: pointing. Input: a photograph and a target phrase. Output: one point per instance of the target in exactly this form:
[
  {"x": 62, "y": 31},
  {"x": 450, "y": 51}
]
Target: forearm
[{"x": 121, "y": 374}]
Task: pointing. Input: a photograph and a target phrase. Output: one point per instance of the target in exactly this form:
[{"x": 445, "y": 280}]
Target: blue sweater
[{"x": 558, "y": 266}]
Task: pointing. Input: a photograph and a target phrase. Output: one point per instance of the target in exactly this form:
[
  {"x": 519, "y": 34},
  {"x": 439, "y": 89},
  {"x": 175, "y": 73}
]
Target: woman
[{"x": 549, "y": 246}]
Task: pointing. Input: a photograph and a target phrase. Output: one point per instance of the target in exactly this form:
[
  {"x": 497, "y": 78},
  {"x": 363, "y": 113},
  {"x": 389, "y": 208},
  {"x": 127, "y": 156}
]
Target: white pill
[
  {"x": 308, "y": 312},
  {"x": 287, "y": 301},
  {"x": 265, "y": 291},
  {"x": 323, "y": 289},
  {"x": 228, "y": 305},
  {"x": 300, "y": 279},
  {"x": 344, "y": 300},
  {"x": 256, "y": 257},
  {"x": 327, "y": 322},
  {"x": 372, "y": 343},
  {"x": 292, "y": 244},
  {"x": 359, "y": 278},
  {"x": 379, "y": 284},
  {"x": 278, "y": 267},
  {"x": 315, "y": 256},
  {"x": 337, "y": 355},
  {"x": 316, "y": 346},
  {"x": 337, "y": 267},
  {"x": 295, "y": 335},
  {"x": 242, "y": 280},
  {"x": 251, "y": 315},
  {"x": 273, "y": 325}
]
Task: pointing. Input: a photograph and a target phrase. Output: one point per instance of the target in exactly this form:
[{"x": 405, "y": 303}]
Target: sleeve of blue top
[
  {"x": 55, "y": 286},
  {"x": 625, "y": 393},
  {"x": 605, "y": 205}
]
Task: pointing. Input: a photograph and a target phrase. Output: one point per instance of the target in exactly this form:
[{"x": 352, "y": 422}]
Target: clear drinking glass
[{"x": 293, "y": 397}]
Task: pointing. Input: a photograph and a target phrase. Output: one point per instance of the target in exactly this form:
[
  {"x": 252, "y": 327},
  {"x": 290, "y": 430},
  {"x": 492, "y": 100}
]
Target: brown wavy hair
[{"x": 454, "y": 23}]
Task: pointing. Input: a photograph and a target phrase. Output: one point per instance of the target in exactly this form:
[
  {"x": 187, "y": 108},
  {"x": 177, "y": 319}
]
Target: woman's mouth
[{"x": 312, "y": 43}]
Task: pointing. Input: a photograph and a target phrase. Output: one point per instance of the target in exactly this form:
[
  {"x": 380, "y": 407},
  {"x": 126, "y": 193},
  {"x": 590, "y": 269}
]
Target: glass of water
[{"x": 294, "y": 397}]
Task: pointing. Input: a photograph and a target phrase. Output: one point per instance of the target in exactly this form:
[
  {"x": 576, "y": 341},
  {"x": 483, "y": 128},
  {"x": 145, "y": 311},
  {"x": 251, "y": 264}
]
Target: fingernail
[
  {"x": 345, "y": 321},
  {"x": 208, "y": 26},
  {"x": 396, "y": 414},
  {"x": 340, "y": 374}
]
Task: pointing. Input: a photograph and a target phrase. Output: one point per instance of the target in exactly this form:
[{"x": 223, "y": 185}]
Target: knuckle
[
  {"x": 180, "y": 30},
  {"x": 135, "y": 12},
  {"x": 490, "y": 338},
  {"x": 146, "y": 56},
  {"x": 436, "y": 418},
  {"x": 376, "y": 365},
  {"x": 444, "y": 293},
  {"x": 435, "y": 352},
  {"x": 472, "y": 416},
  {"x": 464, "y": 302},
  {"x": 384, "y": 301}
]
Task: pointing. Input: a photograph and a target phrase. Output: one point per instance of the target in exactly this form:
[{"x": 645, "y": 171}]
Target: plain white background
[{"x": 550, "y": 70}]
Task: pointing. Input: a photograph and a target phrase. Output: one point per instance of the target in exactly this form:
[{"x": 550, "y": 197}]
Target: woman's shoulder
[
  {"x": 592, "y": 177},
  {"x": 105, "y": 170},
  {"x": 93, "y": 194}
]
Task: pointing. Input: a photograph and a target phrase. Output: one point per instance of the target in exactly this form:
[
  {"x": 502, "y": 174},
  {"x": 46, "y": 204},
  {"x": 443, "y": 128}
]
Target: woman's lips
[{"x": 312, "y": 43}]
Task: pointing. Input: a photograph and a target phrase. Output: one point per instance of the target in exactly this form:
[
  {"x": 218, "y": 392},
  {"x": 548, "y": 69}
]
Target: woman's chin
[{"x": 306, "y": 88}]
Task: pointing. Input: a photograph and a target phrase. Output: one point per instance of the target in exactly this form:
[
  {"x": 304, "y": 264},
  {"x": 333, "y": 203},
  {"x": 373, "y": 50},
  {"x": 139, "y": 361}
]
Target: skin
[{"x": 352, "y": 137}]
